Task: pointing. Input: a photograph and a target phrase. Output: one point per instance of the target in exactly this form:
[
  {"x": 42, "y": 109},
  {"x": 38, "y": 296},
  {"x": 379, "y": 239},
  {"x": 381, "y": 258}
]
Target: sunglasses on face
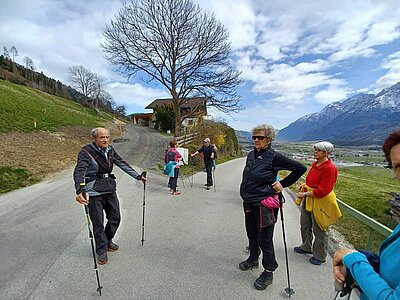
[{"x": 258, "y": 137}]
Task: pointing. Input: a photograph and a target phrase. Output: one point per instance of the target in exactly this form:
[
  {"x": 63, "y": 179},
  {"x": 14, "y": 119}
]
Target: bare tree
[
  {"x": 107, "y": 100},
  {"x": 6, "y": 54},
  {"x": 29, "y": 65},
  {"x": 14, "y": 52},
  {"x": 121, "y": 110},
  {"x": 177, "y": 44},
  {"x": 81, "y": 79},
  {"x": 90, "y": 84}
]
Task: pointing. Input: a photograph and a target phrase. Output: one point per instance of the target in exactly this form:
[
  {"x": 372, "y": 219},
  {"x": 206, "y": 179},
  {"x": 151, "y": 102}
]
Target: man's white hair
[{"x": 94, "y": 131}]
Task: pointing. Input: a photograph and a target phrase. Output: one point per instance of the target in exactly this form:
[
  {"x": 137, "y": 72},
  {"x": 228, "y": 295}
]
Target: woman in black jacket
[{"x": 260, "y": 181}]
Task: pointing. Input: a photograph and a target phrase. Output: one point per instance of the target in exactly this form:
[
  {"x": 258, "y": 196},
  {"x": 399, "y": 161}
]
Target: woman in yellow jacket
[{"x": 320, "y": 209}]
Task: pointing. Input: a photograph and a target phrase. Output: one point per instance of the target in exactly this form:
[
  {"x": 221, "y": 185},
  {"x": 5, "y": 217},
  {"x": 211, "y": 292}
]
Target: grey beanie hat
[{"x": 324, "y": 146}]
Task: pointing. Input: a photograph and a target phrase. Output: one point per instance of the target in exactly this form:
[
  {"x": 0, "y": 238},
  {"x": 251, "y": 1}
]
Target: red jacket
[{"x": 322, "y": 178}]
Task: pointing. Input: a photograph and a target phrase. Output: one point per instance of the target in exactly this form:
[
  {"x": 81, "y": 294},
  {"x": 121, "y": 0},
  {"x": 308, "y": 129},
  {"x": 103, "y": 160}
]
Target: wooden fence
[{"x": 183, "y": 140}]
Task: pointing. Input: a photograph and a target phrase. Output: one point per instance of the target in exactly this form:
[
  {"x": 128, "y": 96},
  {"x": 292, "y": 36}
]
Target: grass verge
[{"x": 15, "y": 178}]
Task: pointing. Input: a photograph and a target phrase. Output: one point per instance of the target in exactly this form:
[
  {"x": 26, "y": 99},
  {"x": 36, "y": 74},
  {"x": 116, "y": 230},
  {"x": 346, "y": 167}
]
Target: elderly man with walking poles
[{"x": 95, "y": 187}]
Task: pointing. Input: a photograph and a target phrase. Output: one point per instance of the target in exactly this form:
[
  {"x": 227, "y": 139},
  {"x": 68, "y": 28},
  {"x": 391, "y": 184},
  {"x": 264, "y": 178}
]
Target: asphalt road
[{"x": 193, "y": 242}]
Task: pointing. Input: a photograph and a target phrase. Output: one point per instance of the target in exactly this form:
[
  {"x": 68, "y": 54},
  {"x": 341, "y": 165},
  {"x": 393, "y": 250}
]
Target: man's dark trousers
[
  {"x": 209, "y": 165},
  {"x": 110, "y": 204}
]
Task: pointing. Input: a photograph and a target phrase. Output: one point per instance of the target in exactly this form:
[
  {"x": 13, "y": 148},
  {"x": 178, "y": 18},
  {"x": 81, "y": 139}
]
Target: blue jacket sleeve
[{"x": 373, "y": 285}]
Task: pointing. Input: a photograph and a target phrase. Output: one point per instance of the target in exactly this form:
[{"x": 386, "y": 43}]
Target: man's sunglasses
[{"x": 258, "y": 137}]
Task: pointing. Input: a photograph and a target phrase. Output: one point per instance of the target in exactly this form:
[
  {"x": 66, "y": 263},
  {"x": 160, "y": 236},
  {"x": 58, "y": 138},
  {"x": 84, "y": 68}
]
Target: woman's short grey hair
[
  {"x": 95, "y": 130},
  {"x": 324, "y": 146},
  {"x": 269, "y": 131}
]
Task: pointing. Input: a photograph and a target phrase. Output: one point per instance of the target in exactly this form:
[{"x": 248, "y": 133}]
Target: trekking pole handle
[
  {"x": 84, "y": 192},
  {"x": 339, "y": 286},
  {"x": 144, "y": 174}
]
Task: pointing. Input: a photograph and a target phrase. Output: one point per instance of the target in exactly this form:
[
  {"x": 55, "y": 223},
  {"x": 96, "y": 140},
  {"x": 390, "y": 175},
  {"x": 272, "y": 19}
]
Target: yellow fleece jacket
[{"x": 325, "y": 210}]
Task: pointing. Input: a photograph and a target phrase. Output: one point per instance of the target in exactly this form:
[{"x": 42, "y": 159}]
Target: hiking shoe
[
  {"x": 102, "y": 259},
  {"x": 264, "y": 280},
  {"x": 248, "y": 264},
  {"x": 301, "y": 251},
  {"x": 316, "y": 261},
  {"x": 112, "y": 247}
]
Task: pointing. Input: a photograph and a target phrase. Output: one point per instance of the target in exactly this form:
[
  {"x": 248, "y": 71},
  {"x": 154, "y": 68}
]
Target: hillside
[
  {"x": 364, "y": 119},
  {"x": 62, "y": 127}
]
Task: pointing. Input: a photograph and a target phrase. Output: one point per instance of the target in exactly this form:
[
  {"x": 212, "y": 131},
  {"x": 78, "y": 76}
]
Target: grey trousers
[{"x": 309, "y": 227}]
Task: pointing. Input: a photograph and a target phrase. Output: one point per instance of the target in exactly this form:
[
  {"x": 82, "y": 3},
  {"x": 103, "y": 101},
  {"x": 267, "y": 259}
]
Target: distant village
[{"x": 342, "y": 156}]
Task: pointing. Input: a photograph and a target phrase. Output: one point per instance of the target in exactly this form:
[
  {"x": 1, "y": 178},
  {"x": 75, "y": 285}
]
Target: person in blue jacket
[{"x": 386, "y": 283}]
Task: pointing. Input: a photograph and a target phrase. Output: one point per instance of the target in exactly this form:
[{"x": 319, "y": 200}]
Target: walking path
[
  {"x": 193, "y": 242},
  {"x": 193, "y": 245}
]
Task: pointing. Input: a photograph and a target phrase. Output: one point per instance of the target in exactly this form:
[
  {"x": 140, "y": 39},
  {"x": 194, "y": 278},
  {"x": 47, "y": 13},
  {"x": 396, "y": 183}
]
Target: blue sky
[{"x": 295, "y": 56}]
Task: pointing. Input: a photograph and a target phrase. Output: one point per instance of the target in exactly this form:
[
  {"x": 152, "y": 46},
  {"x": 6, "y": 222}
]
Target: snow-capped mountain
[{"x": 360, "y": 120}]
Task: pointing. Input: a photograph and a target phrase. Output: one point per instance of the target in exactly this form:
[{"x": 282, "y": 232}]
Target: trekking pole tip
[
  {"x": 99, "y": 289},
  {"x": 289, "y": 291}
]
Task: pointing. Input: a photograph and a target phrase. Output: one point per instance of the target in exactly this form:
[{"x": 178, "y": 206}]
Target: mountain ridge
[{"x": 363, "y": 119}]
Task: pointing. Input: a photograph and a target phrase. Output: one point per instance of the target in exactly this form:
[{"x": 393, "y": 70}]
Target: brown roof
[
  {"x": 187, "y": 103},
  {"x": 143, "y": 116}
]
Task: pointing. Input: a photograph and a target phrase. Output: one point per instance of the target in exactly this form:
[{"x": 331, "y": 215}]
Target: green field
[{"x": 20, "y": 106}]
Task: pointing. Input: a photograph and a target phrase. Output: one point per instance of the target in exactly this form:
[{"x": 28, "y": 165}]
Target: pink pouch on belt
[{"x": 271, "y": 201}]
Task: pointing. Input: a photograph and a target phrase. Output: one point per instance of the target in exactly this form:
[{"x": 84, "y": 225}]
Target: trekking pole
[
  {"x": 192, "y": 177},
  {"x": 183, "y": 182},
  {"x": 289, "y": 291},
  {"x": 143, "y": 204},
  {"x": 191, "y": 170},
  {"x": 181, "y": 175},
  {"x": 345, "y": 288},
  {"x": 99, "y": 287},
  {"x": 214, "y": 183}
]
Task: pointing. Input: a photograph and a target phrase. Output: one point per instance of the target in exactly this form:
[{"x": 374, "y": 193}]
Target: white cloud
[
  {"x": 134, "y": 94},
  {"x": 293, "y": 54},
  {"x": 332, "y": 94},
  {"x": 392, "y": 64}
]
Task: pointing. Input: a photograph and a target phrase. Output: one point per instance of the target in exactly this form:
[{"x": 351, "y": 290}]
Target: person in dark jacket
[
  {"x": 93, "y": 176},
  {"x": 258, "y": 182},
  {"x": 208, "y": 152}
]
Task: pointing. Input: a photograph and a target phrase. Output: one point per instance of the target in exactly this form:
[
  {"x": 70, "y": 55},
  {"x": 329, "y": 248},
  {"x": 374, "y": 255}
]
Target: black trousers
[
  {"x": 110, "y": 205},
  {"x": 260, "y": 237},
  {"x": 174, "y": 180},
  {"x": 209, "y": 166}
]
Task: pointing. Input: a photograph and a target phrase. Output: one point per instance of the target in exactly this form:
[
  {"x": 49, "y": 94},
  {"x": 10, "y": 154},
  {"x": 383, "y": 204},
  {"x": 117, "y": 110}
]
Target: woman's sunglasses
[{"x": 258, "y": 137}]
